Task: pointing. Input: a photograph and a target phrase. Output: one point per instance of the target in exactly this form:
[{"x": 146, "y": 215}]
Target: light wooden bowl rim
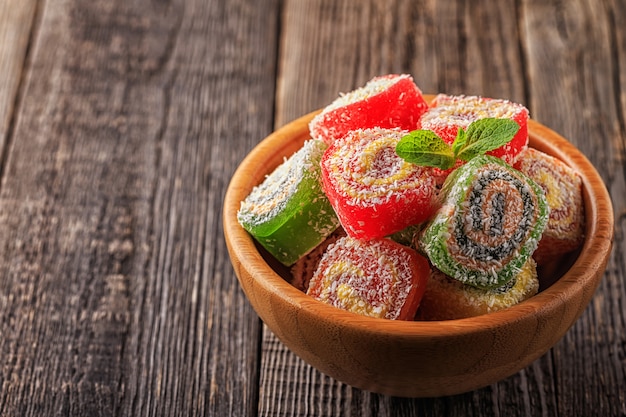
[{"x": 584, "y": 274}]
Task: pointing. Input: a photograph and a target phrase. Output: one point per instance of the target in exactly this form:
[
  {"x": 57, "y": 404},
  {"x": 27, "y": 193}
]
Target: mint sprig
[
  {"x": 484, "y": 135},
  {"x": 426, "y": 148}
]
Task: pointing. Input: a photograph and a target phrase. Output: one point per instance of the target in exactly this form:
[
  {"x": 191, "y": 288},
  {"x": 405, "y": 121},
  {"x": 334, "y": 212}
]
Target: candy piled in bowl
[{"x": 401, "y": 209}]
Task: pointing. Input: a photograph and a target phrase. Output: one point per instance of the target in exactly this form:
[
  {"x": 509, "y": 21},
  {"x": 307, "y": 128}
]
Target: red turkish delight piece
[
  {"x": 373, "y": 191},
  {"x": 377, "y": 278},
  {"x": 389, "y": 101}
]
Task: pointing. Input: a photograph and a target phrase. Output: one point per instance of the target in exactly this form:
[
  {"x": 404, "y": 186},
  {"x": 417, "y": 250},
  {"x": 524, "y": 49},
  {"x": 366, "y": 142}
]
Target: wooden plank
[
  {"x": 16, "y": 20},
  {"x": 588, "y": 79},
  {"x": 116, "y": 295},
  {"x": 331, "y": 47}
]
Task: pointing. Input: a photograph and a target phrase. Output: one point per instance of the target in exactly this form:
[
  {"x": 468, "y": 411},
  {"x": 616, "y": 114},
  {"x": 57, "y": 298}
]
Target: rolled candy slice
[
  {"x": 376, "y": 278},
  {"x": 490, "y": 221},
  {"x": 449, "y": 113},
  {"x": 446, "y": 298},
  {"x": 375, "y": 192},
  {"x": 302, "y": 271},
  {"x": 387, "y": 101},
  {"x": 288, "y": 213},
  {"x": 563, "y": 189}
]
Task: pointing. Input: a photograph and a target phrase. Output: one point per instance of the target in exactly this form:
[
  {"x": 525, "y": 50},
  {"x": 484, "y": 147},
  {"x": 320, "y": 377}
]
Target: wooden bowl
[{"x": 419, "y": 359}]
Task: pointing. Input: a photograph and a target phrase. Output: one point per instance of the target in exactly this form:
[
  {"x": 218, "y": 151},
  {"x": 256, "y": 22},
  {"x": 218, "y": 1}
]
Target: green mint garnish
[
  {"x": 485, "y": 135},
  {"x": 459, "y": 141},
  {"x": 426, "y": 148}
]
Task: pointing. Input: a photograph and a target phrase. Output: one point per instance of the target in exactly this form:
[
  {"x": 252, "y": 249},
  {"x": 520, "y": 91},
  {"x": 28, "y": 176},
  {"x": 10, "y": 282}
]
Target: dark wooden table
[{"x": 121, "y": 122}]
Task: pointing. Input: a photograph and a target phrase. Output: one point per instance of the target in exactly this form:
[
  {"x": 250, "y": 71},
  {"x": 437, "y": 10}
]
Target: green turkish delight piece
[{"x": 288, "y": 213}]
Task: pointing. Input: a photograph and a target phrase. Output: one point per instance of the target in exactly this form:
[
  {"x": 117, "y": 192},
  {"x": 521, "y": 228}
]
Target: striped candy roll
[
  {"x": 375, "y": 192},
  {"x": 449, "y": 113},
  {"x": 490, "y": 221},
  {"x": 288, "y": 213},
  {"x": 376, "y": 278},
  {"x": 563, "y": 189},
  {"x": 389, "y": 101},
  {"x": 447, "y": 298}
]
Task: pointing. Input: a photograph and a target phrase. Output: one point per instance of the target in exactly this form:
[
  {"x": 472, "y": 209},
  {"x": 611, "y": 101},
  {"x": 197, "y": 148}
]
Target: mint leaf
[
  {"x": 425, "y": 148},
  {"x": 459, "y": 141},
  {"x": 484, "y": 135}
]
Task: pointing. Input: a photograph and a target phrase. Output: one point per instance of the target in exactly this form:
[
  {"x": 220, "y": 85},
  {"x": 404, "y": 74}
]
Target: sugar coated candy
[
  {"x": 288, "y": 213},
  {"x": 447, "y": 298},
  {"x": 304, "y": 268},
  {"x": 376, "y": 278},
  {"x": 375, "y": 192},
  {"x": 448, "y": 113},
  {"x": 563, "y": 188},
  {"x": 488, "y": 225},
  {"x": 387, "y": 101}
]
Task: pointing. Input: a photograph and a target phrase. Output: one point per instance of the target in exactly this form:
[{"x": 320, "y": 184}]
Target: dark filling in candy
[
  {"x": 497, "y": 221},
  {"x": 479, "y": 251}
]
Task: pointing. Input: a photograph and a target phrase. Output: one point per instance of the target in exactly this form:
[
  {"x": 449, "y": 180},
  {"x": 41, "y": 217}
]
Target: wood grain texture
[
  {"x": 116, "y": 296},
  {"x": 16, "y": 20},
  {"x": 447, "y": 46}
]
